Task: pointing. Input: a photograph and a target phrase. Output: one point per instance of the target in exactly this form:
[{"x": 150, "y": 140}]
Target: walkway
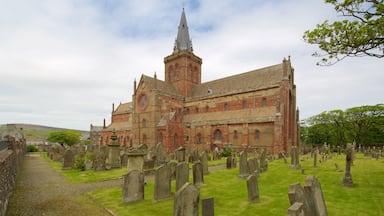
[{"x": 41, "y": 190}]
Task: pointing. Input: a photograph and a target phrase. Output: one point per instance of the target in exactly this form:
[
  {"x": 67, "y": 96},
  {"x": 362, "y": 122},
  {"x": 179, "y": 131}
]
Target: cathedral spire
[{"x": 183, "y": 41}]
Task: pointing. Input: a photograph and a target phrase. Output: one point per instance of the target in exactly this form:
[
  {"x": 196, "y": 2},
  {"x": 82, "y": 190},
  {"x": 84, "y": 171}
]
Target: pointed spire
[{"x": 183, "y": 41}]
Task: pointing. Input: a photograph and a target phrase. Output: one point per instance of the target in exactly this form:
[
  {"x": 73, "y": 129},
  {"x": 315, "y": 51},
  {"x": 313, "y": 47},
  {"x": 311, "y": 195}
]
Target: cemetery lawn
[{"x": 231, "y": 198}]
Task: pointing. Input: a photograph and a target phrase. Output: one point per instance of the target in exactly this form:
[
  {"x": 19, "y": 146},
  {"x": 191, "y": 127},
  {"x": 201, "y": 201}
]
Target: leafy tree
[
  {"x": 360, "y": 34},
  {"x": 68, "y": 137}
]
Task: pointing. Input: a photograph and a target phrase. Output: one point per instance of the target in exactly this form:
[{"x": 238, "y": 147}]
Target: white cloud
[{"x": 63, "y": 63}]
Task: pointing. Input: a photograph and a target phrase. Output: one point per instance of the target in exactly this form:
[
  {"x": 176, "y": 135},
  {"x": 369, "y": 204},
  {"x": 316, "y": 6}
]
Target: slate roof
[
  {"x": 162, "y": 86},
  {"x": 123, "y": 108},
  {"x": 253, "y": 80}
]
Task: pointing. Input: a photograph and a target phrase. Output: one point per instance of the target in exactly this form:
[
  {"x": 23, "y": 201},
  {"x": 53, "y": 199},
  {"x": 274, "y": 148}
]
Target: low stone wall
[{"x": 10, "y": 164}]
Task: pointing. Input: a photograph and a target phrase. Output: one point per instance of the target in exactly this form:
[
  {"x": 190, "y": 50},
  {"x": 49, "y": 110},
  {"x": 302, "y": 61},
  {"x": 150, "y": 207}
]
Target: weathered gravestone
[
  {"x": 180, "y": 154},
  {"x": 88, "y": 164},
  {"x": 296, "y": 194},
  {"x": 99, "y": 164},
  {"x": 160, "y": 156},
  {"x": 347, "y": 179},
  {"x": 244, "y": 173},
  {"x": 186, "y": 201},
  {"x": 208, "y": 206},
  {"x": 133, "y": 186},
  {"x": 182, "y": 174},
  {"x": 296, "y": 210},
  {"x": 162, "y": 188},
  {"x": 295, "y": 158},
  {"x": 252, "y": 165},
  {"x": 253, "y": 188},
  {"x": 69, "y": 158},
  {"x": 114, "y": 152},
  {"x": 315, "y": 153},
  {"x": 314, "y": 196},
  {"x": 172, "y": 167},
  {"x": 204, "y": 162},
  {"x": 263, "y": 161},
  {"x": 198, "y": 176},
  {"x": 136, "y": 157}
]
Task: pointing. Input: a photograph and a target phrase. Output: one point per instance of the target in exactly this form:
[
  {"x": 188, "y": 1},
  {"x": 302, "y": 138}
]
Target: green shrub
[
  {"x": 226, "y": 152},
  {"x": 79, "y": 163},
  {"x": 32, "y": 148}
]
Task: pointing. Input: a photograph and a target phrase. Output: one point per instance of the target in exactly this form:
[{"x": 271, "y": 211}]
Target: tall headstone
[
  {"x": 263, "y": 161},
  {"x": 295, "y": 158},
  {"x": 99, "y": 164},
  {"x": 253, "y": 188},
  {"x": 252, "y": 163},
  {"x": 204, "y": 162},
  {"x": 160, "y": 156},
  {"x": 136, "y": 157},
  {"x": 186, "y": 201},
  {"x": 296, "y": 194},
  {"x": 244, "y": 173},
  {"x": 180, "y": 154},
  {"x": 69, "y": 158},
  {"x": 114, "y": 152},
  {"x": 133, "y": 186},
  {"x": 162, "y": 188},
  {"x": 208, "y": 206},
  {"x": 198, "y": 176},
  {"x": 347, "y": 179},
  {"x": 182, "y": 174},
  {"x": 314, "y": 196}
]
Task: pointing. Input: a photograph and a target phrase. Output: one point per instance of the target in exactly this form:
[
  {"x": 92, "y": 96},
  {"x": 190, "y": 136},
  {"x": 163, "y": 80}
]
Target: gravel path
[{"x": 41, "y": 190}]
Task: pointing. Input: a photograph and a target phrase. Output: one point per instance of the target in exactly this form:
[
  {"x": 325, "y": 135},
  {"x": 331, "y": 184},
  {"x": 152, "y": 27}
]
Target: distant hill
[{"x": 38, "y": 134}]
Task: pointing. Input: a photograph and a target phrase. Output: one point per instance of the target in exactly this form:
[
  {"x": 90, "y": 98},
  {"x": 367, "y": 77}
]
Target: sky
[{"x": 63, "y": 63}]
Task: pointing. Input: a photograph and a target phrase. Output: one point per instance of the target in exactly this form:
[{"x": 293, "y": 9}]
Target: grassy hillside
[{"x": 39, "y": 133}]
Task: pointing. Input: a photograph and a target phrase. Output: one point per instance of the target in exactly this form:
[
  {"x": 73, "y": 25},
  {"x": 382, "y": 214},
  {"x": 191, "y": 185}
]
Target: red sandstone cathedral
[{"x": 254, "y": 110}]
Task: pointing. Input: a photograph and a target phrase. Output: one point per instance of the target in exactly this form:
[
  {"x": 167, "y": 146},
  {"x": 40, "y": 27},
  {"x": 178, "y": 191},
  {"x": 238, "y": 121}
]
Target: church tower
[{"x": 182, "y": 67}]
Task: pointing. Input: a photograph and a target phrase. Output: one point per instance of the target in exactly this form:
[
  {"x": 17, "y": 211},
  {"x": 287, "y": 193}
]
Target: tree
[
  {"x": 360, "y": 34},
  {"x": 68, "y": 137}
]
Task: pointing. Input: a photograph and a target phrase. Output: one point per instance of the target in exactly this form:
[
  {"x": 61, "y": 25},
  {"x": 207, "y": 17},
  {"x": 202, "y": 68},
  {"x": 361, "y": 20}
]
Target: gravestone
[
  {"x": 204, "y": 162},
  {"x": 295, "y": 158},
  {"x": 263, "y": 161},
  {"x": 347, "y": 179},
  {"x": 162, "y": 188},
  {"x": 195, "y": 155},
  {"x": 172, "y": 167},
  {"x": 88, "y": 164},
  {"x": 186, "y": 201},
  {"x": 99, "y": 164},
  {"x": 244, "y": 173},
  {"x": 234, "y": 161},
  {"x": 133, "y": 186},
  {"x": 114, "y": 152},
  {"x": 69, "y": 158},
  {"x": 251, "y": 165},
  {"x": 136, "y": 157},
  {"x": 180, "y": 154},
  {"x": 296, "y": 194},
  {"x": 208, "y": 206},
  {"x": 229, "y": 162},
  {"x": 315, "y": 153},
  {"x": 253, "y": 188},
  {"x": 123, "y": 159},
  {"x": 296, "y": 210},
  {"x": 314, "y": 196},
  {"x": 160, "y": 156},
  {"x": 182, "y": 174},
  {"x": 198, "y": 176}
]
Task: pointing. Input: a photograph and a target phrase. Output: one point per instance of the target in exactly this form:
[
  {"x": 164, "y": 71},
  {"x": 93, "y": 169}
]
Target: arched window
[
  {"x": 264, "y": 102},
  {"x": 144, "y": 139},
  {"x": 218, "y": 135},
  {"x": 207, "y": 108},
  {"x": 235, "y": 135},
  {"x": 257, "y": 134},
  {"x": 199, "y": 138},
  {"x": 144, "y": 123},
  {"x": 197, "y": 109}
]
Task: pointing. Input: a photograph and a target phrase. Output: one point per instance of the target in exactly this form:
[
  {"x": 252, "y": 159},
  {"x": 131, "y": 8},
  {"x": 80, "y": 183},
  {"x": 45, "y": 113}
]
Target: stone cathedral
[{"x": 254, "y": 110}]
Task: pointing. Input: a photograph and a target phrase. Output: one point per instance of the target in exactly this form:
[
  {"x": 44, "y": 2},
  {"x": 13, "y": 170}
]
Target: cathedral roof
[
  {"x": 123, "y": 108},
  {"x": 162, "y": 86},
  {"x": 253, "y": 80},
  {"x": 183, "y": 41}
]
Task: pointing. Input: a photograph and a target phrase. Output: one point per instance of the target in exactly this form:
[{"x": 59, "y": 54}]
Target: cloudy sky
[{"x": 64, "y": 62}]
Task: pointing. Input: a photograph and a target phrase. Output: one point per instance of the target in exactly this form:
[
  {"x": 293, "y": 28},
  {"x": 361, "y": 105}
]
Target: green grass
[{"x": 230, "y": 192}]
